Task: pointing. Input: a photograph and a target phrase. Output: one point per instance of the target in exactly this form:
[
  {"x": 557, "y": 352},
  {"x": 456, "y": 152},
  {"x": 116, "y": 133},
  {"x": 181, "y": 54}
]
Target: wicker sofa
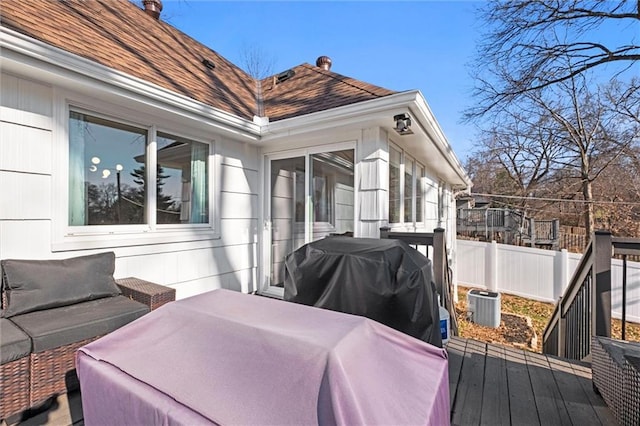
[
  {"x": 50, "y": 308},
  {"x": 616, "y": 375}
]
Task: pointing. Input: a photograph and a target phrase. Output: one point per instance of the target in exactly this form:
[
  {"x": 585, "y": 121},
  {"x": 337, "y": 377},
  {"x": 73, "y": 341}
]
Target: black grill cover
[{"x": 382, "y": 279}]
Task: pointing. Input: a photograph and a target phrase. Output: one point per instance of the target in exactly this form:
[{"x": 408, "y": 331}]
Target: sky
[{"x": 399, "y": 45}]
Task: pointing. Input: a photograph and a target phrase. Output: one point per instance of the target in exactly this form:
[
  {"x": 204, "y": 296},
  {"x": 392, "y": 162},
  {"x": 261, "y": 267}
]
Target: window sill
[{"x": 131, "y": 239}]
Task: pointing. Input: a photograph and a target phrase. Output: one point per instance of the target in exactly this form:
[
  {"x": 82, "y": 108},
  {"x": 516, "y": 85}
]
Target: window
[
  {"x": 419, "y": 192},
  {"x": 110, "y": 174},
  {"x": 182, "y": 181},
  {"x": 406, "y": 188},
  {"x": 394, "y": 185}
]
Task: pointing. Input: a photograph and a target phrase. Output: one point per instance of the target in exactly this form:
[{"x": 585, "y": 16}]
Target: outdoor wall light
[{"x": 403, "y": 124}]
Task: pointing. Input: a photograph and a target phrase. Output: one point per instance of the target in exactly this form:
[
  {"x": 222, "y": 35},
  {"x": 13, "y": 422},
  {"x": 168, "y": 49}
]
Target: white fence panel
[
  {"x": 527, "y": 272},
  {"x": 633, "y": 290},
  {"x": 538, "y": 274},
  {"x": 471, "y": 261}
]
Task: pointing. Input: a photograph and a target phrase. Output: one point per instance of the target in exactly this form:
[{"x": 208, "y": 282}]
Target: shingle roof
[
  {"x": 312, "y": 89},
  {"x": 120, "y": 35}
]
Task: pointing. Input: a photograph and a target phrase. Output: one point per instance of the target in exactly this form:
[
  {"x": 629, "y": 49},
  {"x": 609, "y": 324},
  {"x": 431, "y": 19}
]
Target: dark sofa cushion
[
  {"x": 33, "y": 285},
  {"x": 56, "y": 327},
  {"x": 14, "y": 344}
]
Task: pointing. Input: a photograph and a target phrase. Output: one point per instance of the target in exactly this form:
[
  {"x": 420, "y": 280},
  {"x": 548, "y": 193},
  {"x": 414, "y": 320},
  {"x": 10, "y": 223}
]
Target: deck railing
[
  {"x": 507, "y": 226},
  {"x": 436, "y": 250},
  {"x": 584, "y": 310}
]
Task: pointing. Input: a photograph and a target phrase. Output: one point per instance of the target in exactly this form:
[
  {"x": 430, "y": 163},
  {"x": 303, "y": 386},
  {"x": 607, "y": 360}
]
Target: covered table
[
  {"x": 230, "y": 358},
  {"x": 382, "y": 279}
]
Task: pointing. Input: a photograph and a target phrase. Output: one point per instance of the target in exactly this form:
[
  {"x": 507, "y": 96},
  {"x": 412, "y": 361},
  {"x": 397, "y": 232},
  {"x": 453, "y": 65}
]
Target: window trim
[
  {"x": 65, "y": 237},
  {"x": 414, "y": 188}
]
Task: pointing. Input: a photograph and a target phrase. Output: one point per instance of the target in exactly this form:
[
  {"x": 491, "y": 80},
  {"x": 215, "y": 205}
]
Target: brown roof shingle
[
  {"x": 120, "y": 35},
  {"x": 312, "y": 89}
]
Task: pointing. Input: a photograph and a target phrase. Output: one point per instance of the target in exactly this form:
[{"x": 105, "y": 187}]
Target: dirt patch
[
  {"x": 514, "y": 330},
  {"x": 522, "y": 323}
]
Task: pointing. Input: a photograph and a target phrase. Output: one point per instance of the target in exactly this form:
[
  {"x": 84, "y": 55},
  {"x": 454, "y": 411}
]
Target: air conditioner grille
[{"x": 483, "y": 308}]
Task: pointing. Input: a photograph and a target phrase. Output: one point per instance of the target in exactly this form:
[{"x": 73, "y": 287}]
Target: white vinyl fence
[{"x": 537, "y": 274}]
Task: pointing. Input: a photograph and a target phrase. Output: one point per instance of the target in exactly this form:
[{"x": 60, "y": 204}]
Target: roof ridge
[{"x": 334, "y": 75}]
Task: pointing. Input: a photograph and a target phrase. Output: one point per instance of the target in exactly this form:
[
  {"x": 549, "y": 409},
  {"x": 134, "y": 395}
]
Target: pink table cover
[{"x": 228, "y": 358}]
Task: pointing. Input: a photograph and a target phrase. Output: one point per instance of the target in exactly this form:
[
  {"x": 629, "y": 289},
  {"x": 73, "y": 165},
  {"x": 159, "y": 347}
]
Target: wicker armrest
[
  {"x": 615, "y": 374},
  {"x": 151, "y": 294}
]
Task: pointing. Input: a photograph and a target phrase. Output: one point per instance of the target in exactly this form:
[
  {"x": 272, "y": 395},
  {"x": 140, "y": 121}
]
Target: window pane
[
  {"x": 332, "y": 193},
  {"x": 394, "y": 185},
  {"x": 106, "y": 172},
  {"x": 287, "y": 212},
  {"x": 419, "y": 192},
  {"x": 408, "y": 189},
  {"x": 182, "y": 180}
]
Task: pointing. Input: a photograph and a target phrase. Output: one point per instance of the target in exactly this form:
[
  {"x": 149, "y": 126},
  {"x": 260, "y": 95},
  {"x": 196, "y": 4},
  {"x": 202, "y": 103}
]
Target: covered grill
[{"x": 382, "y": 279}]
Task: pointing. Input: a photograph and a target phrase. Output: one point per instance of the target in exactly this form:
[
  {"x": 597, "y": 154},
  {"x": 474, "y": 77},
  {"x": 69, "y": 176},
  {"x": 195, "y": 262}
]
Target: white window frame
[
  {"x": 419, "y": 178},
  {"x": 416, "y": 165},
  {"x": 265, "y": 286},
  {"x": 65, "y": 237}
]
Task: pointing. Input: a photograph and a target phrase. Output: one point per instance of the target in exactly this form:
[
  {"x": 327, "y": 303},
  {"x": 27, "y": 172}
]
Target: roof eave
[
  {"x": 21, "y": 51},
  {"x": 427, "y": 120}
]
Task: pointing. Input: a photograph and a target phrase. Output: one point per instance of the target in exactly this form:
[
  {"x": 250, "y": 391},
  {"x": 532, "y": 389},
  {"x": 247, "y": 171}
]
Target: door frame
[{"x": 264, "y": 267}]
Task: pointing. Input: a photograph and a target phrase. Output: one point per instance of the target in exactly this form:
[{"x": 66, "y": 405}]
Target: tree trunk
[{"x": 589, "y": 221}]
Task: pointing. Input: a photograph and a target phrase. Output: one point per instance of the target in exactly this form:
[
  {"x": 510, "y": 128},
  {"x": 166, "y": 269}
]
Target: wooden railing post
[
  {"x": 562, "y": 331},
  {"x": 601, "y": 279},
  {"x": 439, "y": 262},
  {"x": 384, "y": 232}
]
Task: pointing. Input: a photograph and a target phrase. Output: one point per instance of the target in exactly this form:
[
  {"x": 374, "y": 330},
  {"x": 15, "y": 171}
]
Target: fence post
[
  {"x": 532, "y": 228},
  {"x": 492, "y": 267},
  {"x": 562, "y": 275},
  {"x": 601, "y": 279},
  {"x": 439, "y": 263}
]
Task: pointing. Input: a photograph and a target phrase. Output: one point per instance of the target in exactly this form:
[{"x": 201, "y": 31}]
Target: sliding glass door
[{"x": 310, "y": 196}]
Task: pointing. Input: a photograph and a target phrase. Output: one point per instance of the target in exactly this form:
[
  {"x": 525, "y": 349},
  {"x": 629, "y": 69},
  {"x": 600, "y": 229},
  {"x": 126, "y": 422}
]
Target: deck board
[
  {"x": 521, "y": 400},
  {"x": 455, "y": 349},
  {"x": 495, "y": 398},
  {"x": 468, "y": 401},
  {"x": 519, "y": 387},
  {"x": 549, "y": 402},
  {"x": 582, "y": 373}
]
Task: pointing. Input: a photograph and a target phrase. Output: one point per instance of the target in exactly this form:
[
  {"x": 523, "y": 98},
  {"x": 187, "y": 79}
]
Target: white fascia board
[
  {"x": 67, "y": 66},
  {"x": 348, "y": 115},
  {"x": 425, "y": 117}
]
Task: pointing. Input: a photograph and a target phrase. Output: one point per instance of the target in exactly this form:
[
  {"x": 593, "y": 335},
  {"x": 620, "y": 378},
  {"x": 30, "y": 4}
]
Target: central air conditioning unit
[{"x": 483, "y": 307}]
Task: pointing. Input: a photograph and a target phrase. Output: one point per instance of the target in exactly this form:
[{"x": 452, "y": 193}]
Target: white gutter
[
  {"x": 72, "y": 66},
  {"x": 433, "y": 129},
  {"x": 335, "y": 117}
]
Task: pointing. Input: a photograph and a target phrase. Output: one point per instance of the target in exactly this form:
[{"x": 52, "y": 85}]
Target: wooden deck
[
  {"x": 498, "y": 385},
  {"x": 488, "y": 385}
]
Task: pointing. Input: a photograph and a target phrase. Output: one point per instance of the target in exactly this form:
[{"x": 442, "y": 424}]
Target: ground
[{"x": 522, "y": 323}]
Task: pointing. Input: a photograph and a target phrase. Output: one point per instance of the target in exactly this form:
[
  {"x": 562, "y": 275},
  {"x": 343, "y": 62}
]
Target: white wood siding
[
  {"x": 344, "y": 208},
  {"x": 372, "y": 166},
  {"x": 28, "y": 196}
]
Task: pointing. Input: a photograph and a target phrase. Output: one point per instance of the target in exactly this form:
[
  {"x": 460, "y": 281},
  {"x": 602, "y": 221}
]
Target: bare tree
[
  {"x": 256, "y": 61},
  {"x": 561, "y": 141},
  {"x": 534, "y": 44},
  {"x": 521, "y": 151}
]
